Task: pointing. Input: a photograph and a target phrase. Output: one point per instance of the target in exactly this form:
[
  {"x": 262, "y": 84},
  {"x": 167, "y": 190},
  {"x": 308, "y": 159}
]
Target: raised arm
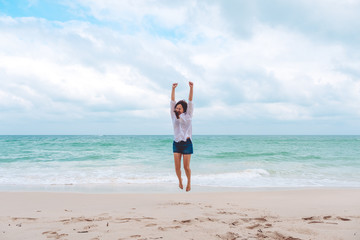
[
  {"x": 191, "y": 84},
  {"x": 173, "y": 91}
]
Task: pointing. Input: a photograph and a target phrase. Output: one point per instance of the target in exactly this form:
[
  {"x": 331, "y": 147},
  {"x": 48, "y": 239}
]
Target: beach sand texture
[{"x": 284, "y": 215}]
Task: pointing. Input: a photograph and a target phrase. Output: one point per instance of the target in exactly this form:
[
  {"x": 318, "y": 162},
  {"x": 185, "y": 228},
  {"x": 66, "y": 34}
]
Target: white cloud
[
  {"x": 57, "y": 70},
  {"x": 123, "y": 66},
  {"x": 167, "y": 14}
]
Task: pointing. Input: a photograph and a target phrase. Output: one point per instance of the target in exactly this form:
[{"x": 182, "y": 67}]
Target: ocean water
[{"x": 145, "y": 163}]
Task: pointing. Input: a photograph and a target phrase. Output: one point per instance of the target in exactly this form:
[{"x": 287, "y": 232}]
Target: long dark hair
[{"x": 183, "y": 104}]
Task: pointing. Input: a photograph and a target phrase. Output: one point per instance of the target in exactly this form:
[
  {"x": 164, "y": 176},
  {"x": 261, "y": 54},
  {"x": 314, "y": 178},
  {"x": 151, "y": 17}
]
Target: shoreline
[
  {"x": 151, "y": 188},
  {"x": 287, "y": 214}
]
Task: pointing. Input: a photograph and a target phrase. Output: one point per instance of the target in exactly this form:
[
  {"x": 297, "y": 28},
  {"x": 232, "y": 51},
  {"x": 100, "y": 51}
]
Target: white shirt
[{"x": 183, "y": 125}]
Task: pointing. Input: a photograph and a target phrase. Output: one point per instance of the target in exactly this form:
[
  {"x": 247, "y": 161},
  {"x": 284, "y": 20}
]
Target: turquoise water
[{"x": 141, "y": 161}]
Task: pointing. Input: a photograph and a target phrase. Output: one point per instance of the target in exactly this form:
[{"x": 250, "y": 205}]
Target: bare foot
[
  {"x": 180, "y": 184},
  {"x": 188, "y": 187}
]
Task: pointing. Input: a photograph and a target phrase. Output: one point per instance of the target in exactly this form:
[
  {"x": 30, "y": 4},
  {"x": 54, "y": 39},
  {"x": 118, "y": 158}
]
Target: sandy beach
[{"x": 286, "y": 215}]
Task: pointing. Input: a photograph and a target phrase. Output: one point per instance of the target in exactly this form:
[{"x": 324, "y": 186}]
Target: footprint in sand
[
  {"x": 125, "y": 220},
  {"x": 207, "y": 219},
  {"x": 166, "y": 228},
  {"x": 226, "y": 213},
  {"x": 228, "y": 236},
  {"x": 54, "y": 234},
  {"x": 254, "y": 226},
  {"x": 260, "y": 219},
  {"x": 314, "y": 219},
  {"x": 280, "y": 236},
  {"x": 271, "y": 235},
  {"x": 180, "y": 203},
  {"x": 88, "y": 227},
  {"x": 23, "y": 218},
  {"x": 235, "y": 224},
  {"x": 137, "y": 236},
  {"x": 151, "y": 225},
  {"x": 183, "y": 221},
  {"x": 257, "y": 223},
  {"x": 268, "y": 225},
  {"x": 76, "y": 220}
]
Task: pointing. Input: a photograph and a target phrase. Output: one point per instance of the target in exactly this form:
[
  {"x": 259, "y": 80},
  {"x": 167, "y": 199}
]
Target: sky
[{"x": 107, "y": 67}]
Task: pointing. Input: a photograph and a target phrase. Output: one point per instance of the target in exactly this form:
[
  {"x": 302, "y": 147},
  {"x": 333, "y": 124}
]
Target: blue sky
[{"x": 106, "y": 67}]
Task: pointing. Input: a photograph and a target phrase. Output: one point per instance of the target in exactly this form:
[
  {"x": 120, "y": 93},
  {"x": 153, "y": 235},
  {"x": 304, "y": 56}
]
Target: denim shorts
[{"x": 183, "y": 147}]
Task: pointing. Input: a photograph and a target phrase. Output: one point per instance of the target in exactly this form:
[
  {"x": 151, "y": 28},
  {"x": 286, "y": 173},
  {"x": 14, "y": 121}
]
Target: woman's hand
[
  {"x": 191, "y": 85},
  {"x": 173, "y": 91}
]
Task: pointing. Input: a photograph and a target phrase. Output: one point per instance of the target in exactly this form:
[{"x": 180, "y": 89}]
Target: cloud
[
  {"x": 62, "y": 65},
  {"x": 250, "y": 64},
  {"x": 320, "y": 20}
]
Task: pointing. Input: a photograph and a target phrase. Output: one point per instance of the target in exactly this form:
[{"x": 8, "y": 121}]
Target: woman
[{"x": 181, "y": 115}]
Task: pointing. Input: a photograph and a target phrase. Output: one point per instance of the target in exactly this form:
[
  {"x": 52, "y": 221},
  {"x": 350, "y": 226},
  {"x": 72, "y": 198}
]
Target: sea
[{"x": 119, "y": 164}]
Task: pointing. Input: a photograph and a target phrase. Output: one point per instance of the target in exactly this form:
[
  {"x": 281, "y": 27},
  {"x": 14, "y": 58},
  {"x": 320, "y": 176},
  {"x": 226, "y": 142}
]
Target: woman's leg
[
  {"x": 177, "y": 159},
  {"x": 187, "y": 158}
]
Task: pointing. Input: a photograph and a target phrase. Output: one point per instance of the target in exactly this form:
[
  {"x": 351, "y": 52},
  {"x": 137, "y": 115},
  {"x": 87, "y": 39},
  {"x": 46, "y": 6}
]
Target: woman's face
[{"x": 179, "y": 109}]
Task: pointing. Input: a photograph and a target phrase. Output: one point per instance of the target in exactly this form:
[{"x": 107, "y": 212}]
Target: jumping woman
[{"x": 181, "y": 115}]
